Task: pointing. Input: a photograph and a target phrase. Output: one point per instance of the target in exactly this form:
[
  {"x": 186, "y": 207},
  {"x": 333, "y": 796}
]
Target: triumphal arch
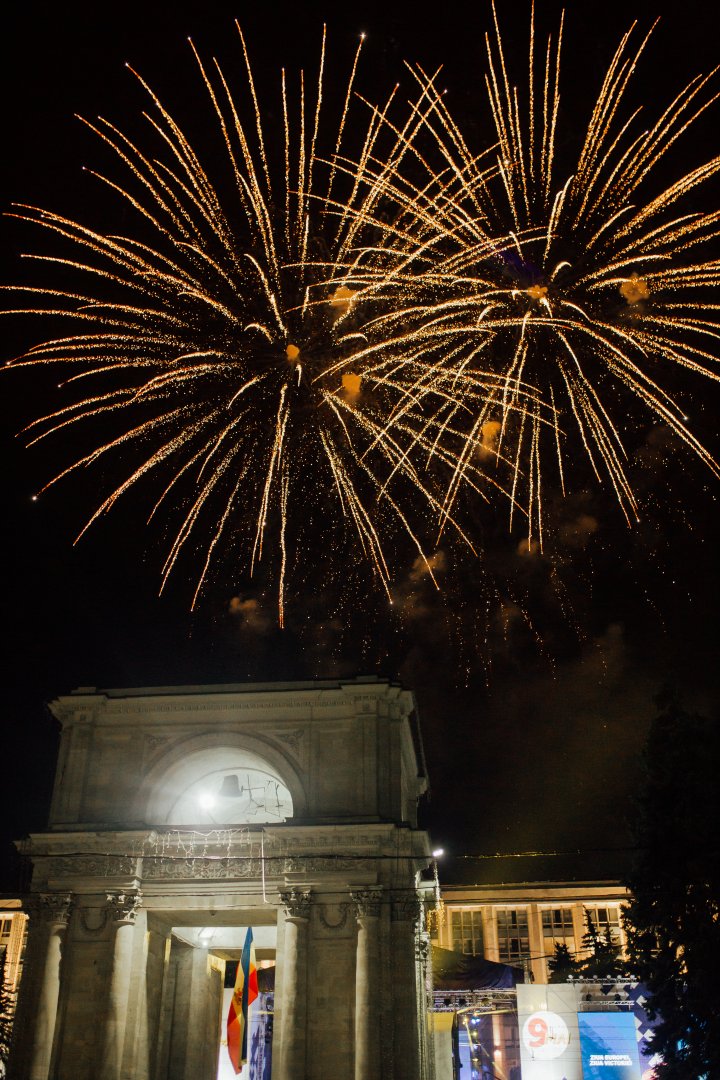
[{"x": 182, "y": 816}]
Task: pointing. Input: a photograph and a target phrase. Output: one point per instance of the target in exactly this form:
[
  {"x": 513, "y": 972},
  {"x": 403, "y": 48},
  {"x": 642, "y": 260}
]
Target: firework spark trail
[
  {"x": 220, "y": 337},
  {"x": 411, "y": 326},
  {"x": 576, "y": 286}
]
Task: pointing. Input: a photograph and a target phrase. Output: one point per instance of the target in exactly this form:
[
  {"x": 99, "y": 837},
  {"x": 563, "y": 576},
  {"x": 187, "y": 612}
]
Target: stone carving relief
[
  {"x": 91, "y": 866},
  {"x": 205, "y": 869},
  {"x": 291, "y": 739},
  {"x": 367, "y": 902},
  {"x": 123, "y": 907},
  {"x": 51, "y": 908},
  {"x": 334, "y": 916},
  {"x": 300, "y": 864},
  {"x": 296, "y": 903},
  {"x": 94, "y": 926}
]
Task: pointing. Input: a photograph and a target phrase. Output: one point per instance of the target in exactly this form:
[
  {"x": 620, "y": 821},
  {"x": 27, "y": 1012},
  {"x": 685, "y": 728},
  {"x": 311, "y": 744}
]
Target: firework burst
[
  {"x": 360, "y": 328},
  {"x": 582, "y": 289},
  {"x": 217, "y": 341}
]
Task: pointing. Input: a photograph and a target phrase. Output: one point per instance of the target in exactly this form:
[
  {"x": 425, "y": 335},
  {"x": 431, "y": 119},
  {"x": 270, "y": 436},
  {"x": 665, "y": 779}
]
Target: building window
[
  {"x": 557, "y": 923},
  {"x": 605, "y": 918},
  {"x": 467, "y": 932},
  {"x": 513, "y": 935}
]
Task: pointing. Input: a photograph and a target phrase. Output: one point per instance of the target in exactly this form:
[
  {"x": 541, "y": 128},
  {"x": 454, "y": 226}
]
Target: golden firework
[
  {"x": 218, "y": 337},
  {"x": 579, "y": 286}
]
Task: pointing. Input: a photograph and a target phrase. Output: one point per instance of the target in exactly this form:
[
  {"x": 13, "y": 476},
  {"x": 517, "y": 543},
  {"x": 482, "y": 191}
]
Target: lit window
[
  {"x": 606, "y": 918},
  {"x": 513, "y": 934},
  {"x": 557, "y": 923},
  {"x": 467, "y": 932}
]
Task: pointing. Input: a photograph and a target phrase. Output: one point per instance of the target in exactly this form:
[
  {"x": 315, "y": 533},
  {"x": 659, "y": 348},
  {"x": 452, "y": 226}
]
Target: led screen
[{"x": 608, "y": 1046}]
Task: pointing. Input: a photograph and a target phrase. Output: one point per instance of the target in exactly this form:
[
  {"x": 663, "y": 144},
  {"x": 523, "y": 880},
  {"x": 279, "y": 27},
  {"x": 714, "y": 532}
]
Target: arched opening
[
  {"x": 242, "y": 793},
  {"x": 210, "y": 782}
]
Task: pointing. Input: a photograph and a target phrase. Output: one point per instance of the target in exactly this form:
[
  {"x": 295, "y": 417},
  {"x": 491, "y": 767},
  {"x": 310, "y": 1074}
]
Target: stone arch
[{"x": 188, "y": 759}]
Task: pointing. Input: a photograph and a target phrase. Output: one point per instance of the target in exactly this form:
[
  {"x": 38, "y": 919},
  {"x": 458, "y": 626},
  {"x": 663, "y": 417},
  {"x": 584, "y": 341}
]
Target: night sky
[{"x": 533, "y": 722}]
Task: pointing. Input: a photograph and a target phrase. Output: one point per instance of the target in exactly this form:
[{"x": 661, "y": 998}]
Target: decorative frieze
[
  {"x": 91, "y": 866},
  {"x": 302, "y": 864},
  {"x": 208, "y": 869}
]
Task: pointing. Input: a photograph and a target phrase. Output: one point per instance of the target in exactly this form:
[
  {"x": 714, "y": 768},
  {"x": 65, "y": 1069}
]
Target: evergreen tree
[
  {"x": 603, "y": 961},
  {"x": 562, "y": 964},
  {"x": 673, "y": 920}
]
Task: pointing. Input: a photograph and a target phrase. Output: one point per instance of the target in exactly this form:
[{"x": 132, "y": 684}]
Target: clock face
[{"x": 233, "y": 796}]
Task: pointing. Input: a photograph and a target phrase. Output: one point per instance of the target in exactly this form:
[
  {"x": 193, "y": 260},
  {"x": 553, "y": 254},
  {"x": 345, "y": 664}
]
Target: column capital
[
  {"x": 406, "y": 907},
  {"x": 122, "y": 907},
  {"x": 367, "y": 902},
  {"x": 51, "y": 908},
  {"x": 296, "y": 903},
  {"x": 423, "y": 948}
]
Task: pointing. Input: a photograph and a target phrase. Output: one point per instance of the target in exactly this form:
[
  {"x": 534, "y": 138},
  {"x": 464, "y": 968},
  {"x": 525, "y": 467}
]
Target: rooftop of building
[{"x": 236, "y": 688}]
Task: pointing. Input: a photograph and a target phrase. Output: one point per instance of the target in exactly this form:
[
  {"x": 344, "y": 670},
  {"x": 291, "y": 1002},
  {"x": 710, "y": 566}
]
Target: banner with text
[
  {"x": 549, "y": 1035},
  {"x": 609, "y": 1046}
]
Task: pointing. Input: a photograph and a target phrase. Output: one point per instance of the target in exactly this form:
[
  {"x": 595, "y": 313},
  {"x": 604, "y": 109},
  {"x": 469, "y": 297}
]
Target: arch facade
[{"x": 136, "y": 909}]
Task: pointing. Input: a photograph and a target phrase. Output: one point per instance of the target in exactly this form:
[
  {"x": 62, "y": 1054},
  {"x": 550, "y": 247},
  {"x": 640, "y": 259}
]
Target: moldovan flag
[{"x": 246, "y": 990}]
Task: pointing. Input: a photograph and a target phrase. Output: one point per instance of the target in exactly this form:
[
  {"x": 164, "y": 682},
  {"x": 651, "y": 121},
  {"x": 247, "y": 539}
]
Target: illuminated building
[
  {"x": 520, "y": 923},
  {"x": 182, "y": 816},
  {"x": 13, "y": 929},
  {"x": 13, "y": 925}
]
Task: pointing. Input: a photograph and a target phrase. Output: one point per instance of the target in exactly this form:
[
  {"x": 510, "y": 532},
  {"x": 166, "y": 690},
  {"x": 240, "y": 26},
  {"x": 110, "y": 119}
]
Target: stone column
[
  {"x": 423, "y": 955},
  {"x": 122, "y": 909},
  {"x": 294, "y": 982},
  {"x": 405, "y": 914},
  {"x": 367, "y": 1042},
  {"x": 53, "y": 910}
]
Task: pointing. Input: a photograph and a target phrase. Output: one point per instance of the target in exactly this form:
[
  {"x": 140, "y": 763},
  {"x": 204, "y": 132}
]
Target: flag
[{"x": 246, "y": 990}]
